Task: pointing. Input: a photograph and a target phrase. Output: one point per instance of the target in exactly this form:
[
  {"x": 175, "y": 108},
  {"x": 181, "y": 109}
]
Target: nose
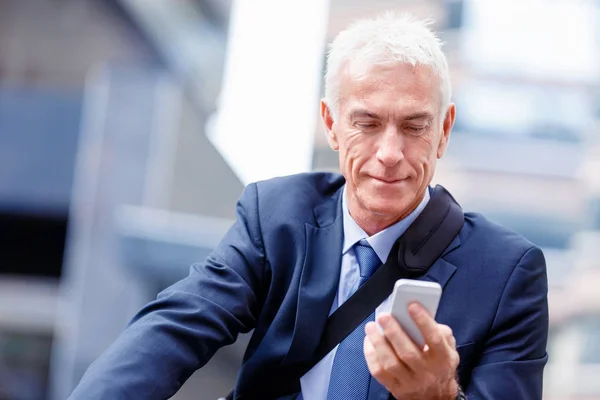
[{"x": 390, "y": 149}]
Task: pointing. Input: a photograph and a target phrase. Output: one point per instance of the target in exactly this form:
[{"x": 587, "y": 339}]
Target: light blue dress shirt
[{"x": 315, "y": 382}]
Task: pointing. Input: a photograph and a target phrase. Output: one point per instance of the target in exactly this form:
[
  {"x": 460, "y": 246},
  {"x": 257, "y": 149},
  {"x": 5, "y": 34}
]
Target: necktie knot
[{"x": 368, "y": 261}]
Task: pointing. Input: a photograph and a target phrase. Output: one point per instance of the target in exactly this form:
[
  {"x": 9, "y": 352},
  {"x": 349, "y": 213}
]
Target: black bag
[{"x": 411, "y": 256}]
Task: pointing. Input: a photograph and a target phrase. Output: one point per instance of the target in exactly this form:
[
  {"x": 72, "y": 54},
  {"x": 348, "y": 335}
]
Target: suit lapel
[
  {"x": 319, "y": 280},
  {"x": 442, "y": 270}
]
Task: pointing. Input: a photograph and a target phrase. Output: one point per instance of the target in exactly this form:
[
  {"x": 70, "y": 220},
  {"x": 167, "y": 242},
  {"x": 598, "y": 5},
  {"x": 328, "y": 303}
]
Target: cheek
[
  {"x": 359, "y": 158},
  {"x": 422, "y": 156},
  {"x": 354, "y": 148},
  {"x": 429, "y": 162}
]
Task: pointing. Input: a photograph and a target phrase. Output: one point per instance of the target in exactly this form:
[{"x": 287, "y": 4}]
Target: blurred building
[
  {"x": 113, "y": 179},
  {"x": 46, "y": 49},
  {"x": 102, "y": 149}
]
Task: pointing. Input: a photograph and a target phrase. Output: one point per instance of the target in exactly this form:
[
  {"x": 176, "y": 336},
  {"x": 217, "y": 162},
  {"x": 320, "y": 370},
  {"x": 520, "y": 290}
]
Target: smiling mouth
[{"x": 386, "y": 180}]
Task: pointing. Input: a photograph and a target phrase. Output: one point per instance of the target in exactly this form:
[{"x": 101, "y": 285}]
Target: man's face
[{"x": 389, "y": 136}]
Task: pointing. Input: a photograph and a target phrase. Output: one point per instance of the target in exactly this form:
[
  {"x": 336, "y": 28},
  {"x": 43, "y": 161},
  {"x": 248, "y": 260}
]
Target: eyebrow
[
  {"x": 356, "y": 113},
  {"x": 419, "y": 115},
  {"x": 362, "y": 113}
]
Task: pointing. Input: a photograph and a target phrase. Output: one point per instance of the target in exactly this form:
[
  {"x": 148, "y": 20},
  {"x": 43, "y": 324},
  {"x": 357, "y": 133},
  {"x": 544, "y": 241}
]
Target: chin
[
  {"x": 391, "y": 207},
  {"x": 386, "y": 199}
]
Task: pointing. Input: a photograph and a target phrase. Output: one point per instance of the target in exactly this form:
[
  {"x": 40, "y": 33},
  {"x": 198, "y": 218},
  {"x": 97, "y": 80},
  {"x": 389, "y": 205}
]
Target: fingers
[
  {"x": 404, "y": 348},
  {"x": 434, "y": 337},
  {"x": 440, "y": 340},
  {"x": 452, "y": 354},
  {"x": 400, "y": 365},
  {"x": 385, "y": 353},
  {"x": 375, "y": 367},
  {"x": 448, "y": 334}
]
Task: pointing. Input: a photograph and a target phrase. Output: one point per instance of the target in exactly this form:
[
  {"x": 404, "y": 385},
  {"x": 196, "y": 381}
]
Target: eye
[
  {"x": 416, "y": 130},
  {"x": 365, "y": 125}
]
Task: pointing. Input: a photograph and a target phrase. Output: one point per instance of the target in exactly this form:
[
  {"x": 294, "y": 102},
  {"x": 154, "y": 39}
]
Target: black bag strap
[{"x": 411, "y": 256}]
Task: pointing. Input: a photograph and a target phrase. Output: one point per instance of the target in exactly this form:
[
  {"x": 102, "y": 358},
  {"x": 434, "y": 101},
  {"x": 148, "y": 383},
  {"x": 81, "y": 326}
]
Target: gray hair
[{"x": 389, "y": 38}]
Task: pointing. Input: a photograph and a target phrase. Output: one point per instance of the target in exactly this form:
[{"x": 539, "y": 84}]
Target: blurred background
[{"x": 128, "y": 129}]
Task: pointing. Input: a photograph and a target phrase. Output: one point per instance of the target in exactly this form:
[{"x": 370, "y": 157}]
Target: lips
[{"x": 387, "y": 180}]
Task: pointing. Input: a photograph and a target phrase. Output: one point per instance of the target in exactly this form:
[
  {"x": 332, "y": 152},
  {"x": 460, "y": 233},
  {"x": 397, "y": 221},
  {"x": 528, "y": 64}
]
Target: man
[{"x": 298, "y": 248}]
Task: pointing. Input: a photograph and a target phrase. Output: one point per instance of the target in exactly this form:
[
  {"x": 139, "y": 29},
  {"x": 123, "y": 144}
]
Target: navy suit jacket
[{"x": 277, "y": 270}]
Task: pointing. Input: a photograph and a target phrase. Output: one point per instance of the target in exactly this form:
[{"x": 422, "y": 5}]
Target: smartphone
[{"x": 407, "y": 291}]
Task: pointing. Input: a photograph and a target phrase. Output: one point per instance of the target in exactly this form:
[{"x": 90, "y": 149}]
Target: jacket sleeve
[
  {"x": 514, "y": 356},
  {"x": 180, "y": 331}
]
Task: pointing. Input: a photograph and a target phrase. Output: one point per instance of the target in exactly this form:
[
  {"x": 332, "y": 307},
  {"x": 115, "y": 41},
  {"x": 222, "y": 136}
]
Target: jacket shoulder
[
  {"x": 492, "y": 239},
  {"x": 299, "y": 191}
]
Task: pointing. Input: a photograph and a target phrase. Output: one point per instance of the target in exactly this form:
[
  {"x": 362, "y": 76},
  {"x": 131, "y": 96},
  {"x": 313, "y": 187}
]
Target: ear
[
  {"x": 446, "y": 129},
  {"x": 328, "y": 123}
]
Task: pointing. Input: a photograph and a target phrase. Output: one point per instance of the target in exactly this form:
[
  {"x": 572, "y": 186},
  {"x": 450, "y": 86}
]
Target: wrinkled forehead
[{"x": 393, "y": 83}]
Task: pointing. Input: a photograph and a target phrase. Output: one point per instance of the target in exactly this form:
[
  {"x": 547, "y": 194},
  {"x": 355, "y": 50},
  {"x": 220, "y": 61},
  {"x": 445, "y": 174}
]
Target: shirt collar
[{"x": 383, "y": 241}]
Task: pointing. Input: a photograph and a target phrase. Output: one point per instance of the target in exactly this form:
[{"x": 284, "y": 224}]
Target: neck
[{"x": 375, "y": 222}]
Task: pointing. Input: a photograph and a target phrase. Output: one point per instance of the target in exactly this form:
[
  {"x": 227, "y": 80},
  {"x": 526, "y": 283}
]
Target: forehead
[{"x": 390, "y": 88}]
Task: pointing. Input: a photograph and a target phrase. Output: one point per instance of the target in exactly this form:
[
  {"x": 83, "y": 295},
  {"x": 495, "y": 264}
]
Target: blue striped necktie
[{"x": 350, "y": 377}]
